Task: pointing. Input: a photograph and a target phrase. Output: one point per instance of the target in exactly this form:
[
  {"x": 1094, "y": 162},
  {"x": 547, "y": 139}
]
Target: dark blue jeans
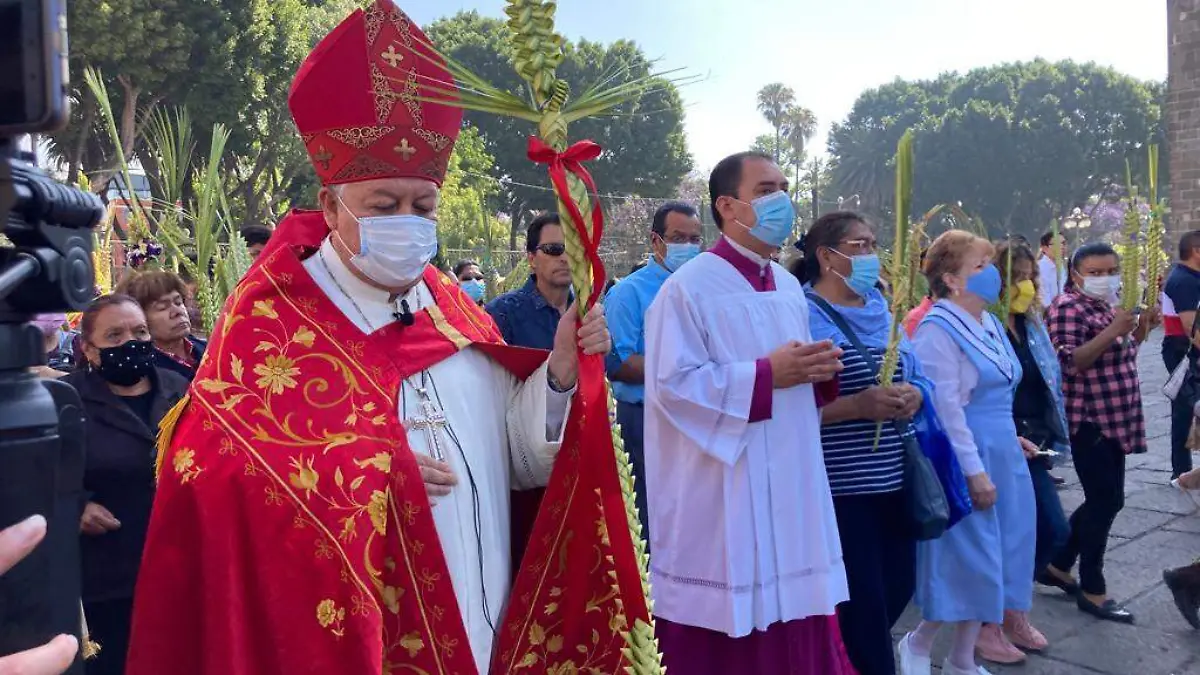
[
  {"x": 1053, "y": 530},
  {"x": 632, "y": 417}
]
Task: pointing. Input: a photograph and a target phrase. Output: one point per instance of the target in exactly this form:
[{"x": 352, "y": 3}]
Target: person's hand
[
  {"x": 879, "y": 403},
  {"x": 591, "y": 335},
  {"x": 983, "y": 493},
  {"x": 57, "y": 655},
  {"x": 97, "y": 520},
  {"x": 1028, "y": 447},
  {"x": 438, "y": 476},
  {"x": 1148, "y": 320},
  {"x": 913, "y": 399},
  {"x": 795, "y": 363},
  {"x": 1123, "y": 323}
]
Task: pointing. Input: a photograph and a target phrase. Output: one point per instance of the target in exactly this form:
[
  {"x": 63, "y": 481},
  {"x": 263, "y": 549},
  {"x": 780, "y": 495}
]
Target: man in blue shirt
[
  {"x": 528, "y": 316},
  {"x": 675, "y": 238}
]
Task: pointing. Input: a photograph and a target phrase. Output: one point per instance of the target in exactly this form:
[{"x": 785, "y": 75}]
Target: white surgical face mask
[
  {"x": 393, "y": 250},
  {"x": 1103, "y": 288}
]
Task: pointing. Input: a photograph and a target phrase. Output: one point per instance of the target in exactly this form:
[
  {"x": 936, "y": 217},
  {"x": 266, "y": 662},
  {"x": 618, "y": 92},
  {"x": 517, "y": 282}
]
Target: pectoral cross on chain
[{"x": 431, "y": 421}]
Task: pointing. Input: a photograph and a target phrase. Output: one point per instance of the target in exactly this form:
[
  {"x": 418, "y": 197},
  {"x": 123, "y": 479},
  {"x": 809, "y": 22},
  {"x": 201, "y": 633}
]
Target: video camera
[{"x": 47, "y": 268}]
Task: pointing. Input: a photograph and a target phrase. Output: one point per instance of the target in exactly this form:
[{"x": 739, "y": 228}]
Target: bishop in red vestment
[{"x": 334, "y": 494}]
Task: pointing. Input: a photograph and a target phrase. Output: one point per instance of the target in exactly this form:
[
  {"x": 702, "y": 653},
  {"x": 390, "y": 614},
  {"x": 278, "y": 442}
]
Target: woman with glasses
[{"x": 841, "y": 269}]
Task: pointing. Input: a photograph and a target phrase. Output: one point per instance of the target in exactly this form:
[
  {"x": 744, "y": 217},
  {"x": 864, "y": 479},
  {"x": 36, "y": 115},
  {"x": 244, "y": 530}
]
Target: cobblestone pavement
[{"x": 1157, "y": 530}]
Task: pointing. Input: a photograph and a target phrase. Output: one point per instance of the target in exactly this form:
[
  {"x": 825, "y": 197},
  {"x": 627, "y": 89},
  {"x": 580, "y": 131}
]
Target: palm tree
[
  {"x": 774, "y": 100},
  {"x": 799, "y": 124}
]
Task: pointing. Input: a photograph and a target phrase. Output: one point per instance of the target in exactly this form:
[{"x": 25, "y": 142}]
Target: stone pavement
[{"x": 1156, "y": 530}]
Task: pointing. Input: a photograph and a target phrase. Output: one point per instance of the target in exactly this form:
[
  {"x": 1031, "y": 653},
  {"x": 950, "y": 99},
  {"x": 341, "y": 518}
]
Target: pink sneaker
[
  {"x": 1022, "y": 633},
  {"x": 993, "y": 646}
]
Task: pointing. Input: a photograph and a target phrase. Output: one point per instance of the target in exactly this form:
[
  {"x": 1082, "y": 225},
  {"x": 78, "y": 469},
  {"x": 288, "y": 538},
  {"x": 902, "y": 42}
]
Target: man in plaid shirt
[{"x": 1097, "y": 346}]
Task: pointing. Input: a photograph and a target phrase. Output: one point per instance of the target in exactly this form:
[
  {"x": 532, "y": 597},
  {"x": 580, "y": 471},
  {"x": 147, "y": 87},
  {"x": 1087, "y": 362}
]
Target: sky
[{"x": 830, "y": 51}]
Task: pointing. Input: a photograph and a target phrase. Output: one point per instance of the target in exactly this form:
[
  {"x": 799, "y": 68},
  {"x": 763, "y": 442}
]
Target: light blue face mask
[
  {"x": 986, "y": 283},
  {"x": 678, "y": 254},
  {"x": 864, "y": 272},
  {"x": 774, "y": 216},
  {"x": 475, "y": 289}
]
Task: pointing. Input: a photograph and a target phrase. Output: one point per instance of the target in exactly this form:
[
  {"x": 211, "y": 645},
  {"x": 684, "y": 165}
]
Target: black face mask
[{"x": 125, "y": 365}]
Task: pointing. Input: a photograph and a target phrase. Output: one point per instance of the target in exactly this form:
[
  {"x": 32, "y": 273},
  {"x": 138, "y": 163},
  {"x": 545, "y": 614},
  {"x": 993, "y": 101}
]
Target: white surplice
[
  {"x": 508, "y": 434},
  {"x": 743, "y": 532}
]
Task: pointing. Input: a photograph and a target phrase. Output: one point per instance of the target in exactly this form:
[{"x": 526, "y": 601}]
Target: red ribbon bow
[{"x": 572, "y": 160}]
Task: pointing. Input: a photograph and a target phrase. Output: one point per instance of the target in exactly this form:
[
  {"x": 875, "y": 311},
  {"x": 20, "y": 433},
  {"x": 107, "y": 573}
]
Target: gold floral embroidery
[
  {"x": 330, "y": 616},
  {"x": 304, "y": 336},
  {"x": 377, "y": 510},
  {"x": 264, "y": 308},
  {"x": 185, "y": 465},
  {"x": 413, "y": 643},
  {"x": 276, "y": 374},
  {"x": 306, "y": 476},
  {"x": 391, "y": 598}
]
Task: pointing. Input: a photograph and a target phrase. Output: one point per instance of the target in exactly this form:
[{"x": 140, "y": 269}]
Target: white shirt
[
  {"x": 954, "y": 378},
  {"x": 508, "y": 432},
  {"x": 1050, "y": 280},
  {"x": 742, "y": 526}
]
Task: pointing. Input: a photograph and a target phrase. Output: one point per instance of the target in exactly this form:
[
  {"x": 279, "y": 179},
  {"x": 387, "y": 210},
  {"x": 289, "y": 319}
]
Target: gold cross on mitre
[
  {"x": 392, "y": 56},
  {"x": 323, "y": 157},
  {"x": 404, "y": 149}
]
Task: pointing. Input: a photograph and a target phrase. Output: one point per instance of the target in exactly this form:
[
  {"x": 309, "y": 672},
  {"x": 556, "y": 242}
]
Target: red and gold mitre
[{"x": 356, "y": 101}]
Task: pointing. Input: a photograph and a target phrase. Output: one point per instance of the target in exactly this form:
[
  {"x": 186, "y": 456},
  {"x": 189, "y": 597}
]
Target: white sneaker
[
  {"x": 950, "y": 669},
  {"x": 912, "y": 663}
]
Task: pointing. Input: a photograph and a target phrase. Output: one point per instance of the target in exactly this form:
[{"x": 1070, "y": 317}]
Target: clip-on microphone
[{"x": 405, "y": 315}]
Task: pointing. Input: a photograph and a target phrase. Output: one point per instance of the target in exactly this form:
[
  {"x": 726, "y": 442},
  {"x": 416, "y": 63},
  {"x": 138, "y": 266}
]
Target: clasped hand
[
  {"x": 798, "y": 363},
  {"x": 880, "y": 404}
]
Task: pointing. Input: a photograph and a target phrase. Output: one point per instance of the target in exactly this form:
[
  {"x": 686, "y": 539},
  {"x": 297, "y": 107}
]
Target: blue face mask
[
  {"x": 474, "y": 288},
  {"x": 864, "y": 272},
  {"x": 774, "y": 215},
  {"x": 678, "y": 254},
  {"x": 986, "y": 284}
]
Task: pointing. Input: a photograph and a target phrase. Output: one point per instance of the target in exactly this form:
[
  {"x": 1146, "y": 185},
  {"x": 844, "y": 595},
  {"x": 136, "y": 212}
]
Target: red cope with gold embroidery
[{"x": 291, "y": 532}]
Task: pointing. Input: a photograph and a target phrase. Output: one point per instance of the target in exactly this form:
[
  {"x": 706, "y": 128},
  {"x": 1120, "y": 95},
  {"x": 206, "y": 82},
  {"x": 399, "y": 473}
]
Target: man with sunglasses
[{"x": 528, "y": 316}]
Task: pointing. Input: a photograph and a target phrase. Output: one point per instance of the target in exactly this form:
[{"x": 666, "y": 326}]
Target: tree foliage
[
  {"x": 645, "y": 149},
  {"x": 228, "y": 61},
  {"x": 466, "y": 226},
  {"x": 1016, "y": 144}
]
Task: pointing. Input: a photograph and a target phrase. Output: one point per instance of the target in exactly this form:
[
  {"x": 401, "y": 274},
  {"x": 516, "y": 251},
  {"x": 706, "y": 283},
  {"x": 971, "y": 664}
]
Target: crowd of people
[{"x": 362, "y": 418}]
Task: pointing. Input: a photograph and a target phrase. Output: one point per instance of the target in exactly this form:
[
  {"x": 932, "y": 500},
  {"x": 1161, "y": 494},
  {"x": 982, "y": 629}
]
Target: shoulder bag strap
[{"x": 852, "y": 337}]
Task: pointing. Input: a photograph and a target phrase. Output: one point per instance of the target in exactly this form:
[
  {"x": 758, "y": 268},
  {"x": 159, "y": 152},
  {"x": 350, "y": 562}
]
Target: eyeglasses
[
  {"x": 859, "y": 246},
  {"x": 553, "y": 250}
]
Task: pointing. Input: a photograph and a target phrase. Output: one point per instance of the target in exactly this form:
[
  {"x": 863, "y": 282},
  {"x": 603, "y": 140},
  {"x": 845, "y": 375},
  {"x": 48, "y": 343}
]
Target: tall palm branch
[{"x": 537, "y": 52}]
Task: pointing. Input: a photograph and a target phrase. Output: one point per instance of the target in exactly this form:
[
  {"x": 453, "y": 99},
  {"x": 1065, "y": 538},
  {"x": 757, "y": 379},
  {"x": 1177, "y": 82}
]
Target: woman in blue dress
[{"x": 984, "y": 564}]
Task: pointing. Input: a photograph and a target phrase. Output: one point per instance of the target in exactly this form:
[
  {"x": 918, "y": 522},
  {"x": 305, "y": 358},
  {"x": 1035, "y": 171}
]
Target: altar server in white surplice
[{"x": 747, "y": 566}]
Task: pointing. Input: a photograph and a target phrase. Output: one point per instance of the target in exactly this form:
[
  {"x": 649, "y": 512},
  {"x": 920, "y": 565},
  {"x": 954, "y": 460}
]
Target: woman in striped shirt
[{"x": 841, "y": 269}]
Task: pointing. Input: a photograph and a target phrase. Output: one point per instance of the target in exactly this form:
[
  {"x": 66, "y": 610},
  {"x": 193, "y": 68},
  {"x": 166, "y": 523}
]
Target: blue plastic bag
[{"x": 931, "y": 435}]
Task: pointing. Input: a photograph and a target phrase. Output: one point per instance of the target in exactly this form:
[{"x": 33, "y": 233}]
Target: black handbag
[{"x": 928, "y": 510}]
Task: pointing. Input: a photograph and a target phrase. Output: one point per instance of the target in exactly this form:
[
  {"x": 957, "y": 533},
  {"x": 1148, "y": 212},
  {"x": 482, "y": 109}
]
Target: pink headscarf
[{"x": 49, "y": 323}]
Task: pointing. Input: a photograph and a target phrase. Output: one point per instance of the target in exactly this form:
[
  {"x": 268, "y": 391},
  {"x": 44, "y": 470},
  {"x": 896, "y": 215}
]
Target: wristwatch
[{"x": 555, "y": 385}]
